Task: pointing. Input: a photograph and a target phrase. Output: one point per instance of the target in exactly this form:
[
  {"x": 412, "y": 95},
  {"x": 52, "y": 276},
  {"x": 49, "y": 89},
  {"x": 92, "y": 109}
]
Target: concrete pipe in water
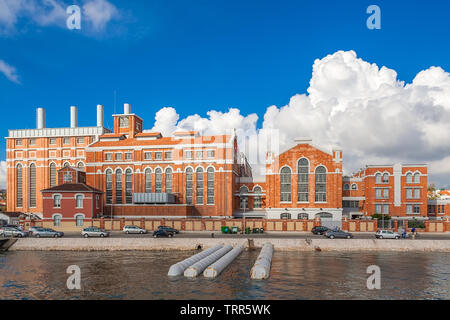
[
  {"x": 261, "y": 268},
  {"x": 201, "y": 265},
  {"x": 178, "y": 268},
  {"x": 217, "y": 267}
]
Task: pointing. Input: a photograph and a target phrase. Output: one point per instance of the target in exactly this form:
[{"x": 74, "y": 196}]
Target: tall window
[
  {"x": 119, "y": 186},
  {"x": 169, "y": 180},
  {"x": 128, "y": 186},
  {"x": 52, "y": 175},
  {"x": 321, "y": 184},
  {"x": 32, "y": 185},
  {"x": 189, "y": 174},
  {"x": 80, "y": 165},
  {"x": 257, "y": 199},
  {"x": 199, "y": 190},
  {"x": 210, "y": 186},
  {"x": 285, "y": 184},
  {"x": 158, "y": 180},
  {"x": 57, "y": 201},
  {"x": 79, "y": 199},
  {"x": 409, "y": 177},
  {"x": 109, "y": 186},
  {"x": 385, "y": 178},
  {"x": 148, "y": 180},
  {"x": 19, "y": 192},
  {"x": 243, "y": 195},
  {"x": 346, "y": 186},
  {"x": 416, "y": 177},
  {"x": 378, "y": 178},
  {"x": 79, "y": 220},
  {"x": 303, "y": 179},
  {"x": 57, "y": 220}
]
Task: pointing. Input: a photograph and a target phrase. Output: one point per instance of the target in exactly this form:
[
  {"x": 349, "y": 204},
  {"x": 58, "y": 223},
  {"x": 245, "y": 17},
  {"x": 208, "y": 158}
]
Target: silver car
[
  {"x": 94, "y": 232},
  {"x": 133, "y": 229},
  {"x": 386, "y": 234},
  {"x": 47, "y": 233},
  {"x": 12, "y": 232}
]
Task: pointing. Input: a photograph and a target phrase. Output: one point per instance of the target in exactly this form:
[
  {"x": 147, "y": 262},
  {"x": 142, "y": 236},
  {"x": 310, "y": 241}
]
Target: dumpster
[
  {"x": 255, "y": 230},
  {"x": 247, "y": 230},
  {"x": 225, "y": 229},
  {"x": 261, "y": 230},
  {"x": 234, "y": 229}
]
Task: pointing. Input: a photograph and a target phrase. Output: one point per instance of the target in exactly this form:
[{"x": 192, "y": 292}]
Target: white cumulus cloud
[
  {"x": 2, "y": 174},
  {"x": 9, "y": 71}
]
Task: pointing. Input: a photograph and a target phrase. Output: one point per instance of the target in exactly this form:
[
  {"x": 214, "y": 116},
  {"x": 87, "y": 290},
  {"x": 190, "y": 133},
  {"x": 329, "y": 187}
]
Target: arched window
[
  {"x": 158, "y": 180},
  {"x": 210, "y": 186},
  {"x": 148, "y": 180},
  {"x": 303, "y": 179},
  {"x": 243, "y": 191},
  {"x": 79, "y": 220},
  {"x": 378, "y": 178},
  {"x": 346, "y": 186},
  {"x": 321, "y": 184},
  {"x": 79, "y": 201},
  {"x": 199, "y": 190},
  {"x": 385, "y": 177},
  {"x": 52, "y": 175},
  {"x": 354, "y": 186},
  {"x": 416, "y": 177},
  {"x": 302, "y": 216},
  {"x": 80, "y": 165},
  {"x": 285, "y": 184},
  {"x": 257, "y": 199},
  {"x": 168, "y": 180},
  {"x": 66, "y": 164},
  {"x": 57, "y": 220},
  {"x": 57, "y": 201},
  {"x": 109, "y": 186},
  {"x": 128, "y": 186},
  {"x": 119, "y": 186},
  {"x": 189, "y": 174},
  {"x": 32, "y": 185},
  {"x": 19, "y": 191},
  {"x": 409, "y": 177}
]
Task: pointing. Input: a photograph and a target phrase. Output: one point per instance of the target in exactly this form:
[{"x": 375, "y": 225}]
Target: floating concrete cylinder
[
  {"x": 178, "y": 268},
  {"x": 217, "y": 267},
  {"x": 197, "y": 268},
  {"x": 261, "y": 268}
]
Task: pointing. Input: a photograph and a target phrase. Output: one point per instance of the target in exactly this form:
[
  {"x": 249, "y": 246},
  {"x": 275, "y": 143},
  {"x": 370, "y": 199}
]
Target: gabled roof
[{"x": 72, "y": 187}]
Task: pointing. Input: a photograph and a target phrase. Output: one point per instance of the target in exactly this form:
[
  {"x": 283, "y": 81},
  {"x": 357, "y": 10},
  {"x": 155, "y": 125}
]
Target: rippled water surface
[{"x": 294, "y": 275}]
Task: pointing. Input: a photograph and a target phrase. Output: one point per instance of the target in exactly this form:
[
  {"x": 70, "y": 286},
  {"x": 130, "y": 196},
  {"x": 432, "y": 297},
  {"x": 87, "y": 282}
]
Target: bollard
[
  {"x": 217, "y": 267},
  {"x": 201, "y": 265},
  {"x": 261, "y": 268},
  {"x": 178, "y": 268}
]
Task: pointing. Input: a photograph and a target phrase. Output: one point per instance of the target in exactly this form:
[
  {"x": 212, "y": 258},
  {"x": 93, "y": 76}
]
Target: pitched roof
[{"x": 72, "y": 187}]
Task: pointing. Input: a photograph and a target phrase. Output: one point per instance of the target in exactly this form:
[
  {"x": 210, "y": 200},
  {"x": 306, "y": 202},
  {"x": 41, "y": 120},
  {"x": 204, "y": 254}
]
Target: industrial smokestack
[
  {"x": 99, "y": 115},
  {"x": 40, "y": 118},
  {"x": 127, "y": 108},
  {"x": 73, "y": 117}
]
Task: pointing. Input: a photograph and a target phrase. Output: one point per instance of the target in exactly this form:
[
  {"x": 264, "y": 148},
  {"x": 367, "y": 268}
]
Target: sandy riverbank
[{"x": 112, "y": 244}]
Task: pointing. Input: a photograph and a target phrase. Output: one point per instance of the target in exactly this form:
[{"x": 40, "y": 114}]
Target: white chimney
[
  {"x": 99, "y": 115},
  {"x": 73, "y": 117},
  {"x": 127, "y": 108},
  {"x": 40, "y": 118}
]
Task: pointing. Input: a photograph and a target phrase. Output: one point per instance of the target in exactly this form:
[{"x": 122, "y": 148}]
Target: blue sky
[{"x": 202, "y": 55}]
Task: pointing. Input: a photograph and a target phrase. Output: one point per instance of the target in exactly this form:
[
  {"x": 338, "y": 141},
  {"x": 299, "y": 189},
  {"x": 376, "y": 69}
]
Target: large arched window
[
  {"x": 19, "y": 191},
  {"x": 257, "y": 198},
  {"x": 243, "y": 191},
  {"x": 303, "y": 179},
  {"x": 79, "y": 220},
  {"x": 119, "y": 186},
  {"x": 158, "y": 180},
  {"x": 168, "y": 180},
  {"x": 346, "y": 186},
  {"x": 128, "y": 186},
  {"x": 32, "y": 185},
  {"x": 109, "y": 186},
  {"x": 79, "y": 199},
  {"x": 57, "y": 220},
  {"x": 354, "y": 186},
  {"x": 80, "y": 165},
  {"x": 57, "y": 201},
  {"x": 385, "y": 177},
  {"x": 285, "y": 184},
  {"x": 148, "y": 180},
  {"x": 321, "y": 184},
  {"x": 416, "y": 177},
  {"x": 409, "y": 177},
  {"x": 52, "y": 175},
  {"x": 378, "y": 178},
  {"x": 199, "y": 189},
  {"x": 210, "y": 186},
  {"x": 189, "y": 174}
]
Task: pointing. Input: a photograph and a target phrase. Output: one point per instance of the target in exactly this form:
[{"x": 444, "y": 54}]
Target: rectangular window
[
  {"x": 123, "y": 122},
  {"x": 416, "y": 208},
  {"x": 57, "y": 221},
  {"x": 79, "y": 220},
  {"x": 18, "y": 142},
  {"x": 188, "y": 154},
  {"x": 108, "y": 156},
  {"x": 52, "y": 141},
  {"x": 378, "y": 193},
  {"x": 118, "y": 156},
  {"x": 385, "y": 193},
  {"x": 199, "y": 154},
  {"x": 158, "y": 155},
  {"x": 385, "y": 208},
  {"x": 408, "y": 208},
  {"x": 80, "y": 140},
  {"x": 378, "y": 208},
  {"x": 211, "y": 154},
  {"x": 409, "y": 193},
  {"x": 416, "y": 193},
  {"x": 168, "y": 155},
  {"x": 32, "y": 142},
  {"x": 128, "y": 156},
  {"x": 439, "y": 209},
  {"x": 66, "y": 140},
  {"x": 147, "y": 155}
]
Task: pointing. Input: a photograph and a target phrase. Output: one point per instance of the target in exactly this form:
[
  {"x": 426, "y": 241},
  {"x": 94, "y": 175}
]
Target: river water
[{"x": 294, "y": 275}]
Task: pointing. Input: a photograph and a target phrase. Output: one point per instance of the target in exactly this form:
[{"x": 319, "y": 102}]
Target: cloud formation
[
  {"x": 96, "y": 14},
  {"x": 9, "y": 72},
  {"x": 2, "y": 174},
  {"x": 375, "y": 117}
]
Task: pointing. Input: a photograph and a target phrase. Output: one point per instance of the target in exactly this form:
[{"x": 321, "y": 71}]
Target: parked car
[
  {"x": 386, "y": 234},
  {"x": 319, "y": 230},
  {"x": 133, "y": 229},
  {"x": 338, "y": 234},
  {"x": 47, "y": 233},
  {"x": 169, "y": 229},
  {"x": 32, "y": 230},
  {"x": 162, "y": 233},
  {"x": 12, "y": 232},
  {"x": 94, "y": 232}
]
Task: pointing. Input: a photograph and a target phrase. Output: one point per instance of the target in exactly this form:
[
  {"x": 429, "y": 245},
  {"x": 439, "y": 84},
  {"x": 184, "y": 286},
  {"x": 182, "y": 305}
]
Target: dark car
[
  {"x": 319, "y": 230},
  {"x": 168, "y": 229},
  {"x": 162, "y": 233},
  {"x": 338, "y": 234}
]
